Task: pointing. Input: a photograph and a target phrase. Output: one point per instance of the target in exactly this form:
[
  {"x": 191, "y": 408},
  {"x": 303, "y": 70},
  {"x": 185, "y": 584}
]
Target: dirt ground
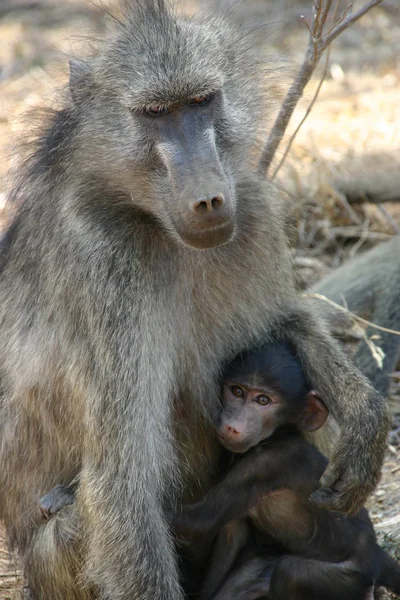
[{"x": 350, "y": 141}]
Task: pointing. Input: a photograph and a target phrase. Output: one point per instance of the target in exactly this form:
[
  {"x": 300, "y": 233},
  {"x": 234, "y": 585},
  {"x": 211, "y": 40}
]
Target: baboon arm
[
  {"x": 258, "y": 473},
  {"x": 360, "y": 410},
  {"x": 126, "y": 462},
  {"x": 222, "y": 504},
  {"x": 230, "y": 541}
]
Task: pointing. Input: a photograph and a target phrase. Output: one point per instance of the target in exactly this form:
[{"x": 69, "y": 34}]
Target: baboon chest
[{"x": 218, "y": 314}]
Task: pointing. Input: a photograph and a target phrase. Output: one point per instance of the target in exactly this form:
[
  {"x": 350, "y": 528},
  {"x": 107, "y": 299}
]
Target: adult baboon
[
  {"x": 141, "y": 258},
  {"x": 370, "y": 286}
]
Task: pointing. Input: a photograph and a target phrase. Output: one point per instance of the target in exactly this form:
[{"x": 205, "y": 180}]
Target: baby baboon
[
  {"x": 267, "y": 407},
  {"x": 143, "y": 255}
]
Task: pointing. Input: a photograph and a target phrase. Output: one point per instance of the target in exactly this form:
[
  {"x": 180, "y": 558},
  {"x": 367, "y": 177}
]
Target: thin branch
[
  {"x": 377, "y": 353},
  {"x": 309, "y": 109},
  {"x": 355, "y": 317},
  {"x": 388, "y": 218},
  {"x": 317, "y": 21},
  {"x": 352, "y": 18},
  {"x": 306, "y": 23},
  {"x": 289, "y": 104},
  {"x": 325, "y": 12},
  {"x": 341, "y": 17},
  {"x": 324, "y": 73},
  {"x": 317, "y": 43}
]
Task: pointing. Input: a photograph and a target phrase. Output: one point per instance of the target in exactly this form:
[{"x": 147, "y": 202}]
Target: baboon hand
[
  {"x": 355, "y": 467},
  {"x": 346, "y": 493},
  {"x": 347, "y": 482}
]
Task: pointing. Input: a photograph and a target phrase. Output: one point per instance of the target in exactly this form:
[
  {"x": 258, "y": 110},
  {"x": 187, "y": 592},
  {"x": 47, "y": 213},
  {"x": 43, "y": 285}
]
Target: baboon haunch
[
  {"x": 312, "y": 553},
  {"x": 113, "y": 323},
  {"x": 369, "y": 285}
]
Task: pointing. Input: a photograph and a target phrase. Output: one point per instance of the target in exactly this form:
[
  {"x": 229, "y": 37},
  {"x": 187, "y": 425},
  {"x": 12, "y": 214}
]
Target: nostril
[
  {"x": 232, "y": 430},
  {"x": 201, "y": 207},
  {"x": 208, "y": 205},
  {"x": 217, "y": 202}
]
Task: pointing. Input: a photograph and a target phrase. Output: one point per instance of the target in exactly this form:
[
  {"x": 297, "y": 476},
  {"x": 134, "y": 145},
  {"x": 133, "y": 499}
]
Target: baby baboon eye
[
  {"x": 157, "y": 110},
  {"x": 237, "y": 391},
  {"x": 263, "y": 400},
  {"x": 200, "y": 100}
]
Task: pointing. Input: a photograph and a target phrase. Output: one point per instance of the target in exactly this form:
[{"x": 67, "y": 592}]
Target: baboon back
[{"x": 370, "y": 285}]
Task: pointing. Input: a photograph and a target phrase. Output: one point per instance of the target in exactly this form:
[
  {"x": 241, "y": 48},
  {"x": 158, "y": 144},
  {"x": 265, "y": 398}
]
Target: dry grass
[{"x": 350, "y": 143}]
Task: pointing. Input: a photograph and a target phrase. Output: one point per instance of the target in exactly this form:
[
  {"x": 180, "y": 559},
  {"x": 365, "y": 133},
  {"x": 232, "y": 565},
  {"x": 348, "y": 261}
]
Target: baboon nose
[
  {"x": 231, "y": 430},
  {"x": 208, "y": 205}
]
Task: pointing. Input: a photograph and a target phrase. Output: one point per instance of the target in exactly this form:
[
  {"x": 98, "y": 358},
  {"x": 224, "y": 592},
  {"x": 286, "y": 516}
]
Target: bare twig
[
  {"x": 290, "y": 102},
  {"x": 318, "y": 41},
  {"x": 325, "y": 12},
  {"x": 344, "y": 14},
  {"x": 388, "y": 218},
  {"x": 310, "y": 106},
  {"x": 349, "y": 20},
  {"x": 317, "y": 17},
  {"x": 377, "y": 353},
  {"x": 347, "y": 311},
  {"x": 346, "y": 205},
  {"x": 306, "y": 23}
]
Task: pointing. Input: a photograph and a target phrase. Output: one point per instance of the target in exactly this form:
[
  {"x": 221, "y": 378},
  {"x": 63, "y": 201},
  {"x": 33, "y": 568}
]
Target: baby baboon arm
[
  {"x": 360, "y": 410},
  {"x": 262, "y": 470},
  {"x": 230, "y": 541},
  {"x": 220, "y": 505}
]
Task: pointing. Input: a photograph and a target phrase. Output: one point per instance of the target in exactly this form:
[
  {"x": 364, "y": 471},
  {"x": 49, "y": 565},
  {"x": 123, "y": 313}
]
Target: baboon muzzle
[{"x": 201, "y": 207}]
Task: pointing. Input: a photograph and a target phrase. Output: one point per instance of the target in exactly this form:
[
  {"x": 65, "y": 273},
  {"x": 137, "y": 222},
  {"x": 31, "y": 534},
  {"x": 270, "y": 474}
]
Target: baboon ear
[
  {"x": 80, "y": 80},
  {"x": 315, "y": 413}
]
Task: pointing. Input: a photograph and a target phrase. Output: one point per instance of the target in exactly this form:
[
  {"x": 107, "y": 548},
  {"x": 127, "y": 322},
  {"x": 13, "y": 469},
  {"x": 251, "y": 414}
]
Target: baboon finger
[{"x": 346, "y": 494}]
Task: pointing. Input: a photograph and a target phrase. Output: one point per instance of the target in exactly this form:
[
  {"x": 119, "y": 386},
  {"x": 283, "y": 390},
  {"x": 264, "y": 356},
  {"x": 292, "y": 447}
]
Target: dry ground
[{"x": 350, "y": 142}]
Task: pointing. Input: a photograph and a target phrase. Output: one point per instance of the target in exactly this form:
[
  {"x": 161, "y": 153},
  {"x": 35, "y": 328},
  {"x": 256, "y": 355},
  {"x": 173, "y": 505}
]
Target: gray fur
[
  {"x": 113, "y": 331},
  {"x": 369, "y": 285}
]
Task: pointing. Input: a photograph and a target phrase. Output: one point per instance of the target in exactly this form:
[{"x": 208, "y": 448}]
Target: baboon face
[
  {"x": 166, "y": 117},
  {"x": 201, "y": 207}
]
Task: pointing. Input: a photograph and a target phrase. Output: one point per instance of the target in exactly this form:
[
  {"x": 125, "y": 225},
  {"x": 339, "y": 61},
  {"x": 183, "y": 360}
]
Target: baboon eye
[
  {"x": 263, "y": 400},
  {"x": 157, "y": 110},
  {"x": 237, "y": 391},
  {"x": 200, "y": 100}
]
